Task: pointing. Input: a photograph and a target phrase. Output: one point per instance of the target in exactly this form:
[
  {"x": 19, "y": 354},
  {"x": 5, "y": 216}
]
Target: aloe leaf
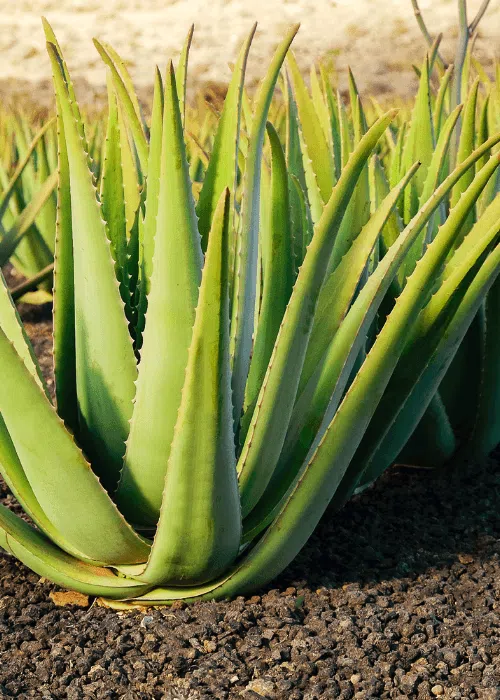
[
  {"x": 434, "y": 174},
  {"x": 130, "y": 175},
  {"x": 339, "y": 288},
  {"x": 51, "y": 39},
  {"x": 13, "y": 328},
  {"x": 270, "y": 418},
  {"x": 432, "y": 443},
  {"x": 177, "y": 262},
  {"x": 196, "y": 539},
  {"x": 277, "y": 272},
  {"x": 10, "y": 466},
  {"x": 64, "y": 291},
  {"x": 153, "y": 188},
  {"x": 316, "y": 204},
  {"x": 317, "y": 404},
  {"x": 434, "y": 52},
  {"x": 314, "y": 136},
  {"x": 294, "y": 156},
  {"x": 9, "y": 190},
  {"x": 105, "y": 361},
  {"x": 396, "y": 166},
  {"x": 438, "y": 114},
  {"x": 181, "y": 73},
  {"x": 61, "y": 479},
  {"x": 481, "y": 136},
  {"x": 358, "y": 115},
  {"x": 112, "y": 194},
  {"x": 333, "y": 110},
  {"x": 465, "y": 148},
  {"x": 405, "y": 400},
  {"x": 301, "y": 222},
  {"x": 321, "y": 108},
  {"x": 345, "y": 131},
  {"x": 46, "y": 219},
  {"x": 126, "y": 78},
  {"x": 222, "y": 166},
  {"x": 243, "y": 302},
  {"x": 358, "y": 210},
  {"x": 419, "y": 143},
  {"x": 38, "y": 553},
  {"x": 133, "y": 119},
  {"x": 485, "y": 434},
  {"x": 25, "y": 220}
]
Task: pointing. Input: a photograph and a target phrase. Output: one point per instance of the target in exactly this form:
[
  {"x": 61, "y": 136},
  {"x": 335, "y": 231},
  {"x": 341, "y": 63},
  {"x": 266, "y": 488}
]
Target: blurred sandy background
[{"x": 379, "y": 39}]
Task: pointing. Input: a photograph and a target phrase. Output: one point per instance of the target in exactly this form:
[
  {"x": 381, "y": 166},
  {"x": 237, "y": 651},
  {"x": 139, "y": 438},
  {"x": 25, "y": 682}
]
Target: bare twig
[
  {"x": 425, "y": 31},
  {"x": 31, "y": 284},
  {"x": 478, "y": 17}
]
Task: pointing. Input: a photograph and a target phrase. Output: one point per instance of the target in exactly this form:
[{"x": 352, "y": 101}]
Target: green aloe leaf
[
  {"x": 175, "y": 279},
  {"x": 126, "y": 78},
  {"x": 339, "y": 288},
  {"x": 112, "y": 193},
  {"x": 465, "y": 147},
  {"x": 38, "y": 553},
  {"x": 148, "y": 230},
  {"x": 201, "y": 485},
  {"x": 46, "y": 219},
  {"x": 59, "y": 476},
  {"x": 405, "y": 399},
  {"x": 269, "y": 422},
  {"x": 443, "y": 93},
  {"x": 244, "y": 291},
  {"x": 181, "y": 73},
  {"x": 10, "y": 188},
  {"x": 317, "y": 404},
  {"x": 51, "y": 39},
  {"x": 420, "y": 143},
  {"x": 223, "y": 165},
  {"x": 133, "y": 119},
  {"x": 277, "y": 280},
  {"x": 64, "y": 291},
  {"x": 22, "y": 225},
  {"x": 105, "y": 362},
  {"x": 314, "y": 137},
  {"x": 432, "y": 180}
]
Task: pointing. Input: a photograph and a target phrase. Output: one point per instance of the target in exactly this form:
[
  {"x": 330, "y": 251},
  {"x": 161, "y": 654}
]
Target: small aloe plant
[
  {"x": 223, "y": 347},
  {"x": 28, "y": 201}
]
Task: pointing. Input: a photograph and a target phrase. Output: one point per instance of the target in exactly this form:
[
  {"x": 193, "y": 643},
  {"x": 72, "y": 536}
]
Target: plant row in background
[{"x": 256, "y": 312}]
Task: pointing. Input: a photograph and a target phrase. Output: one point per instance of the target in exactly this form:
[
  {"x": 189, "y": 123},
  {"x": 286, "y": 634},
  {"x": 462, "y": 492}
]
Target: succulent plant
[
  {"x": 27, "y": 200},
  {"x": 236, "y": 354}
]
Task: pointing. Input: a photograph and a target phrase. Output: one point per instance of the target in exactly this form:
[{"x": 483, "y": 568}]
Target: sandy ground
[{"x": 379, "y": 39}]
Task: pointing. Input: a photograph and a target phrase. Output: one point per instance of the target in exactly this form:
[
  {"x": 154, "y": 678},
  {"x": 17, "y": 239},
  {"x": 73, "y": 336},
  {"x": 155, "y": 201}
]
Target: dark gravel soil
[{"x": 397, "y": 596}]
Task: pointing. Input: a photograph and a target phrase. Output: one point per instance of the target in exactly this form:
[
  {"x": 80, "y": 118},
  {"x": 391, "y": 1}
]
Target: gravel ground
[{"x": 397, "y": 596}]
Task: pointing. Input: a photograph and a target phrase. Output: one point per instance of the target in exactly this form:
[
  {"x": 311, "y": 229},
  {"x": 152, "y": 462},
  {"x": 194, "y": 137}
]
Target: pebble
[{"x": 437, "y": 690}]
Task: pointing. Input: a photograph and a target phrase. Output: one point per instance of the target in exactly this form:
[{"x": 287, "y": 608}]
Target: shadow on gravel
[{"x": 403, "y": 525}]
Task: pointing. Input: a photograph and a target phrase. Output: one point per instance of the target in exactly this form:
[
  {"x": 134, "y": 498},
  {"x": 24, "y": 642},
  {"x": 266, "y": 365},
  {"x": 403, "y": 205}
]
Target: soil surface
[
  {"x": 396, "y": 596},
  {"x": 379, "y": 39}
]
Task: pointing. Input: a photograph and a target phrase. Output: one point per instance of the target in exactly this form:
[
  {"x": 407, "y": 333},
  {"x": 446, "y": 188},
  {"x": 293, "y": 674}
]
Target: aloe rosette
[{"x": 231, "y": 358}]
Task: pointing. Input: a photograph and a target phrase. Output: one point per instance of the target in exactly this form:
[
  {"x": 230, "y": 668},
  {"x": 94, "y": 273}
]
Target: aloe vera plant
[
  {"x": 28, "y": 202},
  {"x": 234, "y": 354}
]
